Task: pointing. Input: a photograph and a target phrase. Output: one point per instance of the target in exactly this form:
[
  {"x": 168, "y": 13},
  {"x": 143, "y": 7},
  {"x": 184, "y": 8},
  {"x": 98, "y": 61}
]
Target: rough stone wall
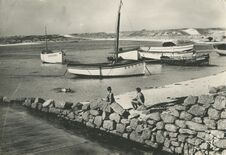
[{"x": 193, "y": 125}]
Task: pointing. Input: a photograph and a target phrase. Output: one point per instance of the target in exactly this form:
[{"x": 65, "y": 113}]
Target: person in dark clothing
[
  {"x": 110, "y": 96},
  {"x": 139, "y": 100}
]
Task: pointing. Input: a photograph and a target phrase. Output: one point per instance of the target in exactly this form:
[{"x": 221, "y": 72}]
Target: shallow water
[
  {"x": 22, "y": 73},
  {"x": 23, "y": 133}
]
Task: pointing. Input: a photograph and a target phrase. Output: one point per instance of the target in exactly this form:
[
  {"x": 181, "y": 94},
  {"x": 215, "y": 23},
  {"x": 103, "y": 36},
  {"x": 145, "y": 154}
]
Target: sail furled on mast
[
  {"x": 118, "y": 30},
  {"x": 46, "y": 38}
]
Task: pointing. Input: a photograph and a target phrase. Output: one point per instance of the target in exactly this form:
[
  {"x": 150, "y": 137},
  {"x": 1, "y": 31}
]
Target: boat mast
[
  {"x": 46, "y": 38},
  {"x": 118, "y": 29}
]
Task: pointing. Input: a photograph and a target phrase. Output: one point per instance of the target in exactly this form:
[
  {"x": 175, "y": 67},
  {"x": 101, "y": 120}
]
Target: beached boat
[
  {"x": 221, "y": 49},
  {"x": 116, "y": 68},
  {"x": 155, "y": 53},
  {"x": 49, "y": 56},
  {"x": 194, "y": 60}
]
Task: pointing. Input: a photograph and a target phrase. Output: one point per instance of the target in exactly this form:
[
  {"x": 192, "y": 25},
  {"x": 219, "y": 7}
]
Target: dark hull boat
[
  {"x": 198, "y": 60},
  {"x": 221, "y": 49}
]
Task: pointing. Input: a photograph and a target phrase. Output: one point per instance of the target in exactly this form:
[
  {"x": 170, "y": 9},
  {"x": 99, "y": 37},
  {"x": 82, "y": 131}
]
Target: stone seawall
[{"x": 191, "y": 125}]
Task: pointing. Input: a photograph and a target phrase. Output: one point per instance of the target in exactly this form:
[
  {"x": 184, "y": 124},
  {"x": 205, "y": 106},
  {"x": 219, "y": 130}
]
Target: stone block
[
  {"x": 221, "y": 124},
  {"x": 211, "y": 124},
  {"x": 223, "y": 114},
  {"x": 159, "y": 137},
  {"x": 167, "y": 143},
  {"x": 190, "y": 100},
  {"x": 115, "y": 117},
  {"x": 204, "y": 146},
  {"x": 221, "y": 143},
  {"x": 217, "y": 133},
  {"x": 120, "y": 128},
  {"x": 197, "y": 110},
  {"x": 117, "y": 108},
  {"x": 125, "y": 121},
  {"x": 160, "y": 125},
  {"x": 71, "y": 116},
  {"x": 197, "y": 120},
  {"x": 135, "y": 137},
  {"x": 173, "y": 134},
  {"x": 86, "y": 107},
  {"x": 39, "y": 100},
  {"x": 206, "y": 99},
  {"x": 98, "y": 121},
  {"x": 45, "y": 109},
  {"x": 179, "y": 107},
  {"x": 154, "y": 116},
  {"x": 146, "y": 134},
  {"x": 133, "y": 115},
  {"x": 182, "y": 137},
  {"x": 171, "y": 127},
  {"x": 205, "y": 136},
  {"x": 139, "y": 129},
  {"x": 151, "y": 122},
  {"x": 180, "y": 123},
  {"x": 152, "y": 144},
  {"x": 185, "y": 116},
  {"x": 220, "y": 103},
  {"x": 89, "y": 124},
  {"x": 196, "y": 126},
  {"x": 47, "y": 103},
  {"x": 129, "y": 129},
  {"x": 77, "y": 106},
  {"x": 125, "y": 135},
  {"x": 39, "y": 106},
  {"x": 34, "y": 105},
  {"x": 172, "y": 111},
  {"x": 174, "y": 143},
  {"x": 213, "y": 114},
  {"x": 6, "y": 100},
  {"x": 94, "y": 112},
  {"x": 27, "y": 102},
  {"x": 133, "y": 123},
  {"x": 167, "y": 118},
  {"x": 178, "y": 150},
  {"x": 109, "y": 125},
  {"x": 85, "y": 116},
  {"x": 187, "y": 131}
]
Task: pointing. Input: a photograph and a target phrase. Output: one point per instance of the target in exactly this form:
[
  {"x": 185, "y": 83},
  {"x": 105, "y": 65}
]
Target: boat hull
[
  {"x": 55, "y": 57},
  {"x": 221, "y": 52},
  {"x": 155, "y": 53},
  {"x": 111, "y": 70},
  {"x": 193, "y": 61}
]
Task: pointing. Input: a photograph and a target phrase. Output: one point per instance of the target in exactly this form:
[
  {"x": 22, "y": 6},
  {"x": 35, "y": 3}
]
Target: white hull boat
[
  {"x": 49, "y": 56},
  {"x": 130, "y": 67},
  {"x": 221, "y": 49},
  {"x": 108, "y": 70},
  {"x": 53, "y": 57},
  {"x": 155, "y": 53}
]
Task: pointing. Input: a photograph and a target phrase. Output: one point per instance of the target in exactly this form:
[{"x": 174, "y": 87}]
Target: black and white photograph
[{"x": 112, "y": 77}]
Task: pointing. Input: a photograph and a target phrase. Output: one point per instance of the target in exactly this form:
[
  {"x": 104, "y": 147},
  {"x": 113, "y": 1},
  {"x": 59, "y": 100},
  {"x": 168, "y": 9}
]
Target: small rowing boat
[{"x": 221, "y": 49}]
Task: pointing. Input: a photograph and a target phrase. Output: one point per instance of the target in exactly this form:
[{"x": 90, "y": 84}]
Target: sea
[{"x": 22, "y": 74}]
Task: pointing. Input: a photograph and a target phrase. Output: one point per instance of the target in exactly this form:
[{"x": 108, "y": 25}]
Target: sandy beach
[{"x": 167, "y": 93}]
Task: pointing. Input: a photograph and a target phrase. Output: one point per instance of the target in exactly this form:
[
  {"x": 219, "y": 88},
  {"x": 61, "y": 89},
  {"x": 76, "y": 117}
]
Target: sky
[{"x": 27, "y": 17}]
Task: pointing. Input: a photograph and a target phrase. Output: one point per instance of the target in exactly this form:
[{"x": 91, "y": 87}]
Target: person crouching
[{"x": 139, "y": 100}]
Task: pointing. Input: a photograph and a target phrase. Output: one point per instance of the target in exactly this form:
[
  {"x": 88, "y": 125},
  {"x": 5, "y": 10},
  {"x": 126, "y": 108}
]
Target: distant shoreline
[{"x": 19, "y": 44}]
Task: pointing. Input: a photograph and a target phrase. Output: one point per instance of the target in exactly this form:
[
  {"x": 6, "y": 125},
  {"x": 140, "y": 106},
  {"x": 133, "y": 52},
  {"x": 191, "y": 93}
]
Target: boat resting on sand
[
  {"x": 52, "y": 57},
  {"x": 100, "y": 70},
  {"x": 115, "y": 68},
  {"x": 49, "y": 56},
  {"x": 221, "y": 49},
  {"x": 195, "y": 60},
  {"x": 155, "y": 53}
]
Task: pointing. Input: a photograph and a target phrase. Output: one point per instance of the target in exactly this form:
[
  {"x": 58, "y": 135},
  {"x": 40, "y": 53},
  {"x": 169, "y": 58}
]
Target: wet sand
[{"x": 170, "y": 92}]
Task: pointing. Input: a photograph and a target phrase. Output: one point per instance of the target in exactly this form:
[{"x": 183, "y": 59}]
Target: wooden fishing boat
[
  {"x": 195, "y": 60},
  {"x": 221, "y": 49},
  {"x": 116, "y": 68},
  {"x": 155, "y": 53},
  {"x": 49, "y": 56}
]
